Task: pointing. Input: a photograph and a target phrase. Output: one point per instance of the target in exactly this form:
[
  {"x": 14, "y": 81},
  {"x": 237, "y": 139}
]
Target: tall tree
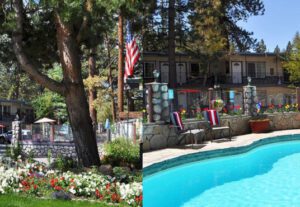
[
  {"x": 214, "y": 30},
  {"x": 216, "y": 22},
  {"x": 261, "y": 47},
  {"x": 292, "y": 60},
  {"x": 92, "y": 91},
  {"x": 65, "y": 29},
  {"x": 277, "y": 50},
  {"x": 171, "y": 47}
]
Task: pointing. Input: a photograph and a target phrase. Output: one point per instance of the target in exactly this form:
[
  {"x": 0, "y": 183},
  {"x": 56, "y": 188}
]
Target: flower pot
[{"x": 260, "y": 126}]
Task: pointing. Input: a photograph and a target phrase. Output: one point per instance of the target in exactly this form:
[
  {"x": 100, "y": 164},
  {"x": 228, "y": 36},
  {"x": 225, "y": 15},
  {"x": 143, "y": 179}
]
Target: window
[
  {"x": 251, "y": 70},
  {"x": 148, "y": 69},
  {"x": 271, "y": 71},
  {"x": 195, "y": 69},
  {"x": 256, "y": 69},
  {"x": 260, "y": 70},
  {"x": 6, "y": 110}
]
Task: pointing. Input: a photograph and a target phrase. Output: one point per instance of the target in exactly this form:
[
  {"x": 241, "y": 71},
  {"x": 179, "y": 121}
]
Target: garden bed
[{"x": 22, "y": 178}]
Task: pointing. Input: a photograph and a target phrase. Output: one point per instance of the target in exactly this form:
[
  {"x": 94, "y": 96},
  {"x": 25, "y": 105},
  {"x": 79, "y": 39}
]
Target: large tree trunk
[
  {"x": 78, "y": 109},
  {"x": 92, "y": 91},
  {"x": 110, "y": 79},
  {"x": 120, "y": 65},
  {"x": 83, "y": 133}
]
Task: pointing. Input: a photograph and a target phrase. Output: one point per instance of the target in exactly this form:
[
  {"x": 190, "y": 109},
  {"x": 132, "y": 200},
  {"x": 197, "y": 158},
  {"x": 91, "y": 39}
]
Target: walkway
[{"x": 150, "y": 158}]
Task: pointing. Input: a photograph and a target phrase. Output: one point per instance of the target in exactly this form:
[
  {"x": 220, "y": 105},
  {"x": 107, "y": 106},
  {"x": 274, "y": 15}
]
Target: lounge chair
[
  {"x": 180, "y": 129},
  {"x": 212, "y": 116}
]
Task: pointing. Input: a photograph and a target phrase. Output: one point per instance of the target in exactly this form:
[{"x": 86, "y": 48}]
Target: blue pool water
[{"x": 265, "y": 176}]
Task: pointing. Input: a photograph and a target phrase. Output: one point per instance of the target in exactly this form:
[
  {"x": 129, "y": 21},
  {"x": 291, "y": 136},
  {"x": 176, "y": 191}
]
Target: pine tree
[
  {"x": 277, "y": 50},
  {"x": 261, "y": 47}
]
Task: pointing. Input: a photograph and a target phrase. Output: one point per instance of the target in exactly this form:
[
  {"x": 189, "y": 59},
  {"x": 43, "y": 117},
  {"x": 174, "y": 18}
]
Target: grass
[{"x": 20, "y": 201}]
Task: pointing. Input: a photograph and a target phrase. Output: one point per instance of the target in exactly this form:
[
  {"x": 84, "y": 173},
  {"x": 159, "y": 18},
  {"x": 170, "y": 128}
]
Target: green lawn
[{"x": 18, "y": 201}]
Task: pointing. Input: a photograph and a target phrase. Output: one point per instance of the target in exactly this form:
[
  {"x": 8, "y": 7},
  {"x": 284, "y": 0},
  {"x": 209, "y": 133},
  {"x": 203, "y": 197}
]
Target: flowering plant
[
  {"x": 218, "y": 104},
  {"x": 183, "y": 114},
  {"x": 36, "y": 179}
]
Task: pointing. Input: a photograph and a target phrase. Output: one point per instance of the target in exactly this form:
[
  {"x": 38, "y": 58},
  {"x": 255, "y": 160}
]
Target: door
[
  {"x": 164, "y": 72},
  {"x": 236, "y": 72},
  {"x": 181, "y": 73}
]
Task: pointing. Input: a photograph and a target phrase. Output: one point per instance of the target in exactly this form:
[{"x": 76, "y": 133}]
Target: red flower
[
  {"x": 53, "y": 182},
  {"x": 58, "y": 188},
  {"x": 72, "y": 180},
  {"x": 99, "y": 195},
  {"x": 107, "y": 186},
  {"x": 62, "y": 178},
  {"x": 138, "y": 198},
  {"x": 24, "y": 182},
  {"x": 115, "y": 197},
  {"x": 35, "y": 187}
]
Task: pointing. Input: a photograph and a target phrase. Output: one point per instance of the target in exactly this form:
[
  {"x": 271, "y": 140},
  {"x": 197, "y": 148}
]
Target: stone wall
[
  {"x": 159, "y": 136},
  {"x": 40, "y": 149}
]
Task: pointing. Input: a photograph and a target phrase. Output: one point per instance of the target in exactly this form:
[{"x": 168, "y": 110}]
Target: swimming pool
[{"x": 267, "y": 175}]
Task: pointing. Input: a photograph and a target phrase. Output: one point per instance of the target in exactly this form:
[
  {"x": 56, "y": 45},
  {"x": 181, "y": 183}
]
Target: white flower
[{"x": 72, "y": 190}]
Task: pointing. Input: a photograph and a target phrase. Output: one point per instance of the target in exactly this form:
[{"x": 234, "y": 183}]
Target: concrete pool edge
[{"x": 204, "y": 155}]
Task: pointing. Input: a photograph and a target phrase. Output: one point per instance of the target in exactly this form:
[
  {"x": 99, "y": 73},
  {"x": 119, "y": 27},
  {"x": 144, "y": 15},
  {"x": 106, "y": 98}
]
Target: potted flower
[
  {"x": 259, "y": 124},
  {"x": 218, "y": 104}
]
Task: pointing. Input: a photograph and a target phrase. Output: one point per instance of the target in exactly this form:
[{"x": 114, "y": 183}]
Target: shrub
[
  {"x": 121, "y": 152},
  {"x": 64, "y": 163}
]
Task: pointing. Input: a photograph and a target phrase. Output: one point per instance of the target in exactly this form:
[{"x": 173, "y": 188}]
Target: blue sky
[{"x": 278, "y": 25}]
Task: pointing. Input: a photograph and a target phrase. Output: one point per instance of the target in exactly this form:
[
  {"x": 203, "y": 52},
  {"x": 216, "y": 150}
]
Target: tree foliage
[
  {"x": 292, "y": 60},
  {"x": 261, "y": 47}
]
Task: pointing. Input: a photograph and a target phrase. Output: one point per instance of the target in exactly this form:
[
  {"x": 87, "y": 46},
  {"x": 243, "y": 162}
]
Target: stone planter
[{"x": 260, "y": 125}]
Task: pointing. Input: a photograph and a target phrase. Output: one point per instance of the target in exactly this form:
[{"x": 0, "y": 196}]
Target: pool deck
[{"x": 150, "y": 158}]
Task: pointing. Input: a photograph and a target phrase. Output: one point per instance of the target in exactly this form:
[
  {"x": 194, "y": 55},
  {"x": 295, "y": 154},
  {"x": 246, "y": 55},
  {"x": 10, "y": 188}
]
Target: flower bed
[{"x": 36, "y": 179}]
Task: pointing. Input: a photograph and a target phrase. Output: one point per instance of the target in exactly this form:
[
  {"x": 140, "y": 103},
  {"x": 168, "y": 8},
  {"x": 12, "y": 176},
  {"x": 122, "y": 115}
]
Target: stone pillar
[
  {"x": 157, "y": 102},
  {"x": 250, "y": 100},
  {"x": 16, "y": 134},
  {"x": 149, "y": 104},
  {"x": 298, "y": 96}
]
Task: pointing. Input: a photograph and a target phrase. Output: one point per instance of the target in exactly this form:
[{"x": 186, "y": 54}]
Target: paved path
[{"x": 150, "y": 158}]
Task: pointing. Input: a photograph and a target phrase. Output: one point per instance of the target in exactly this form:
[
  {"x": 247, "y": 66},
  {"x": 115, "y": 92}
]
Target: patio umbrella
[{"x": 43, "y": 121}]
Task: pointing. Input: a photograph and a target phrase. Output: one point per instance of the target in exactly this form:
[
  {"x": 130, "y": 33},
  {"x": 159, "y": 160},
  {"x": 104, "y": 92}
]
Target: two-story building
[
  {"x": 10, "y": 108},
  {"x": 228, "y": 73}
]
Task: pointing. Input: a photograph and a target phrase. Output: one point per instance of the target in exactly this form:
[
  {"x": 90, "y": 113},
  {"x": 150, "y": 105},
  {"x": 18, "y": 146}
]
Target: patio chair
[
  {"x": 180, "y": 129},
  {"x": 213, "y": 119}
]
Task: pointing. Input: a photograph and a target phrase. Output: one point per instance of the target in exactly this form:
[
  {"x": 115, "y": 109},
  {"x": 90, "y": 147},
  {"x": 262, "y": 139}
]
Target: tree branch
[
  {"x": 22, "y": 58},
  {"x": 85, "y": 21}
]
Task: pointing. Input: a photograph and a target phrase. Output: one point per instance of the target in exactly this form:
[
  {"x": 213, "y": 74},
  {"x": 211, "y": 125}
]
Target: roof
[
  {"x": 165, "y": 53},
  {"x": 13, "y": 101}
]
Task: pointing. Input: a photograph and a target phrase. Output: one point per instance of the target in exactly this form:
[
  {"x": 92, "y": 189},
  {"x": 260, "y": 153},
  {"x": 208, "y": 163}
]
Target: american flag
[{"x": 132, "y": 53}]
